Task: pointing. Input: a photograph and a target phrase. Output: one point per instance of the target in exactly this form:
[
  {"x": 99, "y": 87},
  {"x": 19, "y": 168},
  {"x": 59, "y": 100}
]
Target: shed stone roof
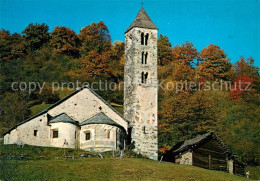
[
  {"x": 63, "y": 117},
  {"x": 99, "y": 118},
  {"x": 142, "y": 20},
  {"x": 194, "y": 142}
]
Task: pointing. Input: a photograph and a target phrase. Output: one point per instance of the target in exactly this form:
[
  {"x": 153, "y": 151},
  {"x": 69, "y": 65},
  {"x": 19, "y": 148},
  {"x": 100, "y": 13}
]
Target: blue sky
[{"x": 234, "y": 25}]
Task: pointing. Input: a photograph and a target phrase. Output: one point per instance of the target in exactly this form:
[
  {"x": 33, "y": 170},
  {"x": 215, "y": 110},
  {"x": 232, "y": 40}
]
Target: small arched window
[
  {"x": 142, "y": 38},
  {"x": 108, "y": 134},
  {"x": 144, "y": 77},
  {"x": 145, "y": 59},
  {"x": 146, "y": 38}
]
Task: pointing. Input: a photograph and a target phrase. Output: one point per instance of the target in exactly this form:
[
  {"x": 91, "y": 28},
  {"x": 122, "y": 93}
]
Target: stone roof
[
  {"x": 99, "y": 118},
  {"x": 194, "y": 142},
  {"x": 63, "y": 117},
  {"x": 142, "y": 20}
]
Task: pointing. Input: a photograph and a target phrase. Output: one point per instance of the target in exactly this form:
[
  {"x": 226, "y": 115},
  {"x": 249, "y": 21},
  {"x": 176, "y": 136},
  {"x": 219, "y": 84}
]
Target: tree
[
  {"x": 94, "y": 37},
  {"x": 18, "y": 46},
  {"x": 10, "y": 71},
  {"x": 241, "y": 131},
  {"x": 213, "y": 63},
  {"x": 244, "y": 89},
  {"x": 185, "y": 53},
  {"x": 13, "y": 109},
  {"x": 5, "y": 45},
  {"x": 47, "y": 96},
  {"x": 65, "y": 41},
  {"x": 11, "y": 46},
  {"x": 246, "y": 67},
  {"x": 95, "y": 65},
  {"x": 36, "y": 36},
  {"x": 186, "y": 115},
  {"x": 115, "y": 61},
  {"x": 183, "y": 71},
  {"x": 164, "y": 50}
]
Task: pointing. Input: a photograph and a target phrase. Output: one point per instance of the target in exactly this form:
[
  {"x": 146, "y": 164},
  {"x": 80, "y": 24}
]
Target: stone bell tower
[{"x": 141, "y": 85}]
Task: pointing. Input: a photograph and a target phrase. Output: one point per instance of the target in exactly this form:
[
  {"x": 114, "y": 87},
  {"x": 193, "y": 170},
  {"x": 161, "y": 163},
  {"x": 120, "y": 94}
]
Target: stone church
[{"x": 84, "y": 120}]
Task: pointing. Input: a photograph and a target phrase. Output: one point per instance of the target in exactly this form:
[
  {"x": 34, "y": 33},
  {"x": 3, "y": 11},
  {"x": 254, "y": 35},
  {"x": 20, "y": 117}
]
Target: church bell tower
[{"x": 141, "y": 84}]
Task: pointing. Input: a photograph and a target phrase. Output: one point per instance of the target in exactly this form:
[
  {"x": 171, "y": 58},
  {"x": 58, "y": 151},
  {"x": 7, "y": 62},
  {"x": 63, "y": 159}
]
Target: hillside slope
[
  {"x": 39, "y": 163},
  {"x": 114, "y": 169}
]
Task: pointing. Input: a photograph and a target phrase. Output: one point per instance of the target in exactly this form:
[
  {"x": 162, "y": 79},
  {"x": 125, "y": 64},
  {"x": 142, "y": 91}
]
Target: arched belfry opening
[
  {"x": 144, "y": 57},
  {"x": 146, "y": 38},
  {"x": 144, "y": 77},
  {"x": 142, "y": 38}
]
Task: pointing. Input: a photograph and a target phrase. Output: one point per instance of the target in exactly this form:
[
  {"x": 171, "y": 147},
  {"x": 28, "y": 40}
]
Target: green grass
[
  {"x": 43, "y": 163},
  {"x": 38, "y": 108},
  {"x": 118, "y": 107},
  {"x": 254, "y": 172},
  {"x": 114, "y": 169},
  {"x": 63, "y": 92}
]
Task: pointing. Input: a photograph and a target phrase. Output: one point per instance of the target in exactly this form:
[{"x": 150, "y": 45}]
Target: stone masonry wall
[
  {"x": 230, "y": 165},
  {"x": 99, "y": 140},
  {"x": 185, "y": 158},
  {"x": 66, "y": 132},
  {"x": 25, "y": 132},
  {"x": 140, "y": 100}
]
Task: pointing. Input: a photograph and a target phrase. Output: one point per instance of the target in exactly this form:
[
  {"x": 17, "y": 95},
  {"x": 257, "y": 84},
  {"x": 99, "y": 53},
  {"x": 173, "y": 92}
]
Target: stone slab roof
[
  {"x": 63, "y": 117},
  {"x": 99, "y": 118},
  {"x": 194, "y": 142},
  {"x": 142, "y": 20}
]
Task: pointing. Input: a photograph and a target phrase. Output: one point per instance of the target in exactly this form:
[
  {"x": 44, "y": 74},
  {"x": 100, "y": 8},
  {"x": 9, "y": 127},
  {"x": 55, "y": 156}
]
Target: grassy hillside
[
  {"x": 38, "y": 108},
  {"x": 39, "y": 163},
  {"x": 115, "y": 169}
]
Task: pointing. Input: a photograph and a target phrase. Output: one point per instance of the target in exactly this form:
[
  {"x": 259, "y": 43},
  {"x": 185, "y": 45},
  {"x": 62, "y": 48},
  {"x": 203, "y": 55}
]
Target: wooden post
[{"x": 209, "y": 161}]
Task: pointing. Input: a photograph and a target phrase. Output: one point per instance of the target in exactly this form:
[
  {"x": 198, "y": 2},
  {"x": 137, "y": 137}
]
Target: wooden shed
[{"x": 205, "y": 151}]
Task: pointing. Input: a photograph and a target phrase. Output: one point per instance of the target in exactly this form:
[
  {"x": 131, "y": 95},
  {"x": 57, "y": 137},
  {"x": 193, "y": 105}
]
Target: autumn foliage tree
[
  {"x": 185, "y": 53},
  {"x": 65, "y": 41},
  {"x": 12, "y": 46},
  {"x": 164, "y": 50},
  {"x": 242, "y": 89},
  {"x": 94, "y": 37},
  {"x": 186, "y": 115},
  {"x": 95, "y": 65},
  {"x": 246, "y": 67},
  {"x": 116, "y": 60},
  {"x": 213, "y": 63},
  {"x": 36, "y": 36}
]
